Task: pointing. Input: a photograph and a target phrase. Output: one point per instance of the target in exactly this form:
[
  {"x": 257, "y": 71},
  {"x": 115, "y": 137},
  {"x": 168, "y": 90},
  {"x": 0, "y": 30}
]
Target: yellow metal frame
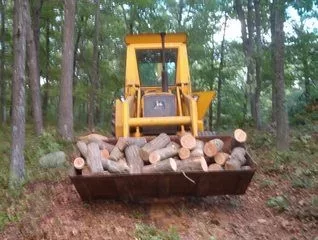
[{"x": 191, "y": 107}]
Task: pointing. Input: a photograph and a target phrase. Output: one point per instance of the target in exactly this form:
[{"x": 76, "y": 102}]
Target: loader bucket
[{"x": 163, "y": 185}]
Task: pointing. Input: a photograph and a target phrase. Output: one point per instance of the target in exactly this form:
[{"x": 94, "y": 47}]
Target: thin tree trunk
[
  {"x": 307, "y": 81},
  {"x": 17, "y": 170},
  {"x": 258, "y": 63},
  {"x": 282, "y": 131},
  {"x": 65, "y": 116},
  {"x": 34, "y": 72},
  {"x": 47, "y": 70},
  {"x": 220, "y": 77},
  {"x": 274, "y": 91},
  {"x": 3, "y": 110}
]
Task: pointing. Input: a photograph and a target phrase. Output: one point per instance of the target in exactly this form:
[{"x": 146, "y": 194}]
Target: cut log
[
  {"x": 246, "y": 168},
  {"x": 116, "y": 154},
  {"x": 232, "y": 165},
  {"x": 93, "y": 137},
  {"x": 160, "y": 141},
  {"x": 167, "y": 165},
  {"x": 78, "y": 164},
  {"x": 104, "y": 153},
  {"x": 126, "y": 141},
  {"x": 198, "y": 150},
  {"x": 105, "y": 145},
  {"x": 115, "y": 167},
  {"x": 212, "y": 147},
  {"x": 134, "y": 161},
  {"x": 82, "y": 147},
  {"x": 188, "y": 141},
  {"x": 238, "y": 154},
  {"x": 240, "y": 136},
  {"x": 170, "y": 151},
  {"x": 221, "y": 157},
  {"x": 94, "y": 158},
  {"x": 215, "y": 167},
  {"x": 192, "y": 164},
  {"x": 184, "y": 153}
]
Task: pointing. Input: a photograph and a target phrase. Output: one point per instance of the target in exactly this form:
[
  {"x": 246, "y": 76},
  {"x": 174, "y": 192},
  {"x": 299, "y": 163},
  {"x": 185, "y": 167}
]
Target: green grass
[
  {"x": 14, "y": 203},
  {"x": 280, "y": 203},
  {"x": 150, "y": 232}
]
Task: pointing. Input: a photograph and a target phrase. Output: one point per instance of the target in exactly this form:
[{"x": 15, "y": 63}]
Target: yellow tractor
[{"x": 158, "y": 96}]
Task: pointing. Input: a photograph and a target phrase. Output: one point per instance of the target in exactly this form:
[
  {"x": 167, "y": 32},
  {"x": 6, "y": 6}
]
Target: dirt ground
[{"x": 55, "y": 211}]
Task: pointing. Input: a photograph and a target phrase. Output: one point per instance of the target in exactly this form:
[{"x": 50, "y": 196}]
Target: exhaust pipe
[{"x": 164, "y": 74}]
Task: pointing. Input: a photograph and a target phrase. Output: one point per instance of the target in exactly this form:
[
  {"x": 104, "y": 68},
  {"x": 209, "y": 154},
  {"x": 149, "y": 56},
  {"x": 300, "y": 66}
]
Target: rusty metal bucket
[{"x": 162, "y": 185}]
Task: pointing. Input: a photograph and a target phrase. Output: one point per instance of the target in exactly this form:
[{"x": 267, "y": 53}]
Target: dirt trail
[{"x": 60, "y": 214}]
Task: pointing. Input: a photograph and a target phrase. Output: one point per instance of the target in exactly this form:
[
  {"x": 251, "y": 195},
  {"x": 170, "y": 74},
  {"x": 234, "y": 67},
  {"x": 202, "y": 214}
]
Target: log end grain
[
  {"x": 79, "y": 163},
  {"x": 188, "y": 141},
  {"x": 240, "y": 136}
]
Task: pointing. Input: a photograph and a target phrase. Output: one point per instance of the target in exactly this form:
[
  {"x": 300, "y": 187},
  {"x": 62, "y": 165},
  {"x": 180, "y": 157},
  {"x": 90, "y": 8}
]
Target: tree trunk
[
  {"x": 34, "y": 72},
  {"x": 3, "y": 111},
  {"x": 65, "y": 117},
  {"x": 282, "y": 141},
  {"x": 220, "y": 78},
  {"x": 17, "y": 170},
  {"x": 274, "y": 91},
  {"x": 258, "y": 64},
  {"x": 47, "y": 70},
  {"x": 95, "y": 75}
]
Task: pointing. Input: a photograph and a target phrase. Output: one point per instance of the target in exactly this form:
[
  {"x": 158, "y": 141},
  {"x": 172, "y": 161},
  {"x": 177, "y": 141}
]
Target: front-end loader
[
  {"x": 158, "y": 95},
  {"x": 158, "y": 98}
]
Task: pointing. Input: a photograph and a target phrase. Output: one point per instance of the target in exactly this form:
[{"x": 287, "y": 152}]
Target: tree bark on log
[
  {"x": 238, "y": 154},
  {"x": 94, "y": 158},
  {"x": 104, "y": 145},
  {"x": 93, "y": 137},
  {"x": 192, "y": 164},
  {"x": 115, "y": 167},
  {"x": 221, "y": 157},
  {"x": 82, "y": 147},
  {"x": 160, "y": 141},
  {"x": 104, "y": 153},
  {"x": 170, "y": 151},
  {"x": 167, "y": 165},
  {"x": 198, "y": 150},
  {"x": 133, "y": 159},
  {"x": 188, "y": 141},
  {"x": 246, "y": 168},
  {"x": 140, "y": 142},
  {"x": 237, "y": 159},
  {"x": 212, "y": 147},
  {"x": 116, "y": 154},
  {"x": 184, "y": 153},
  {"x": 215, "y": 167},
  {"x": 232, "y": 165}
]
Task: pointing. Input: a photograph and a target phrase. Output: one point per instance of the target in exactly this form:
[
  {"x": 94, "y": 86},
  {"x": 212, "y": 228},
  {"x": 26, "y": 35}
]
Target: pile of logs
[{"x": 136, "y": 155}]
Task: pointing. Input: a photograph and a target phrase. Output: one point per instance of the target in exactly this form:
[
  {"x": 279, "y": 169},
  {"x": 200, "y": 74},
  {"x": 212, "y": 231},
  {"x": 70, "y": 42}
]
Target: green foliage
[
  {"x": 150, "y": 232},
  {"x": 280, "y": 203}
]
